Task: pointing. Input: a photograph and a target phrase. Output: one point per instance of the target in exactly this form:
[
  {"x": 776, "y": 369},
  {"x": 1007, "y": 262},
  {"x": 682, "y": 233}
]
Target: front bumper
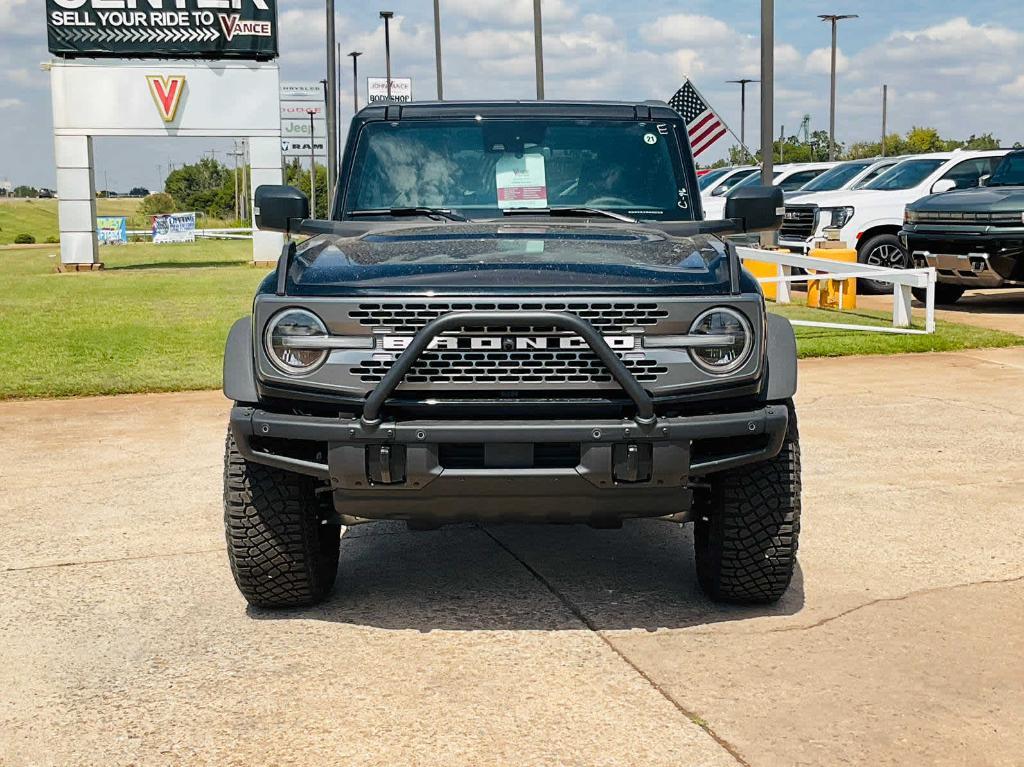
[
  {"x": 502, "y": 470},
  {"x": 973, "y": 260}
]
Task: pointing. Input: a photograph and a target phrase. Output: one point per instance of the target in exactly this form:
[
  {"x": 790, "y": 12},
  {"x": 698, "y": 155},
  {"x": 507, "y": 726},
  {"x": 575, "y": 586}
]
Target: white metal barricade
[{"x": 902, "y": 281}]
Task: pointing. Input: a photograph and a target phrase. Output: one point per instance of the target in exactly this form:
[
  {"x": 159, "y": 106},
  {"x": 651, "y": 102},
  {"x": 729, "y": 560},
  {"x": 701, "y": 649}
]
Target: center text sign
[{"x": 213, "y": 29}]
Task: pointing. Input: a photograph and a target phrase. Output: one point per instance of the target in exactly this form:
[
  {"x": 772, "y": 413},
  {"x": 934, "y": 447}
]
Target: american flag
[{"x": 702, "y": 123}]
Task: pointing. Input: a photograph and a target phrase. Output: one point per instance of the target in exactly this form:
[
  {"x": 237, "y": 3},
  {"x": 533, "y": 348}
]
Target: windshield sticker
[
  {"x": 522, "y": 182},
  {"x": 663, "y": 129},
  {"x": 650, "y": 138}
]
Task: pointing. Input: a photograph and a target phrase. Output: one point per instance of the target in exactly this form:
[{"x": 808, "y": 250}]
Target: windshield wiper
[
  {"x": 438, "y": 214},
  {"x": 569, "y": 211}
]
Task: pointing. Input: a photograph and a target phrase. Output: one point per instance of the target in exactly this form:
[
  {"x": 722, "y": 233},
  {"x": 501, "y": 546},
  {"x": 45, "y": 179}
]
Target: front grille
[
  {"x": 545, "y": 455},
  {"x": 800, "y": 222},
  {"x": 1012, "y": 218},
  {"x": 446, "y": 368},
  {"x": 606, "y": 317}
]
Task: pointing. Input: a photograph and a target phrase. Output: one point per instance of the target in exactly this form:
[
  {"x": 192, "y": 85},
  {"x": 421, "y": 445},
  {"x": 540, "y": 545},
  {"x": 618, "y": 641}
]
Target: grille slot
[
  {"x": 563, "y": 367},
  {"x": 606, "y": 317},
  {"x": 546, "y": 455},
  {"x": 800, "y": 221}
]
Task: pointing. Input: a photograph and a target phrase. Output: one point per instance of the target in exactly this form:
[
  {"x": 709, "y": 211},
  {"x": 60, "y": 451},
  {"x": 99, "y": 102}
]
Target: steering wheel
[{"x": 604, "y": 202}]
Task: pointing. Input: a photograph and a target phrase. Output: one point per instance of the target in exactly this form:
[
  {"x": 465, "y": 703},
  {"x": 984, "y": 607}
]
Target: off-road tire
[
  {"x": 888, "y": 244},
  {"x": 945, "y": 293},
  {"x": 747, "y": 527},
  {"x": 281, "y": 552}
]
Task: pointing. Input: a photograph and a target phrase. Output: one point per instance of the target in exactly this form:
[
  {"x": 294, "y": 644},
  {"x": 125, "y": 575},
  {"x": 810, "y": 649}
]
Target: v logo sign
[{"x": 167, "y": 93}]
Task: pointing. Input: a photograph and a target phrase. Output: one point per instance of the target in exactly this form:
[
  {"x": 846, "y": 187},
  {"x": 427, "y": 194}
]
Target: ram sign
[{"x": 210, "y": 29}]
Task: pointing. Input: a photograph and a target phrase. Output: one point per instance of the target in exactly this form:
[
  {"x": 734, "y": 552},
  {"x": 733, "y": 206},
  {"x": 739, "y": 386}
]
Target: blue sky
[{"x": 956, "y": 66}]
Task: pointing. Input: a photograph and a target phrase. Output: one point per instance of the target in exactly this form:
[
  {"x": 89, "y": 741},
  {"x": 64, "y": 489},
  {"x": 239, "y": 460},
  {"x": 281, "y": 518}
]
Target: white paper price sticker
[{"x": 522, "y": 182}]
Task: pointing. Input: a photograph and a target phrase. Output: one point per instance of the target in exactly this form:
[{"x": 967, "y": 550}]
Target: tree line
[{"x": 918, "y": 140}]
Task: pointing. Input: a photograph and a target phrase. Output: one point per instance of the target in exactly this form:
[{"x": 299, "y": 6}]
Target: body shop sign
[{"x": 244, "y": 29}]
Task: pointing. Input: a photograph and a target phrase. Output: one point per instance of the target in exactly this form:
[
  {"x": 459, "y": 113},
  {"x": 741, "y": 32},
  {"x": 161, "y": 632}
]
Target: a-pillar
[
  {"x": 76, "y": 200},
  {"x": 265, "y": 164}
]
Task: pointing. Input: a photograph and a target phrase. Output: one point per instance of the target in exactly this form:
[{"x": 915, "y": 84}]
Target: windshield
[
  {"x": 710, "y": 177},
  {"x": 905, "y": 175},
  {"x": 736, "y": 178},
  {"x": 835, "y": 178},
  {"x": 1010, "y": 172},
  {"x": 484, "y": 168},
  {"x": 754, "y": 179}
]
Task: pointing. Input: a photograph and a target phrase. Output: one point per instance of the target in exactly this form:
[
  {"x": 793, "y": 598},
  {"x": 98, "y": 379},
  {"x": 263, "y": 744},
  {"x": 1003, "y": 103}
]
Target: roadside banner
[
  {"x": 112, "y": 230},
  {"x": 377, "y": 90},
  {"x": 174, "y": 227}
]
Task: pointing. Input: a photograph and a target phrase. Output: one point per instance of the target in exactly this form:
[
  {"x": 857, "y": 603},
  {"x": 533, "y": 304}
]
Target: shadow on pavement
[
  {"x": 175, "y": 265},
  {"x": 513, "y": 577}
]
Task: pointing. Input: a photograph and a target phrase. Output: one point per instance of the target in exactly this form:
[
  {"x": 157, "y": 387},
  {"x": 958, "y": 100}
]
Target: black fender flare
[
  {"x": 239, "y": 375},
  {"x": 781, "y": 357}
]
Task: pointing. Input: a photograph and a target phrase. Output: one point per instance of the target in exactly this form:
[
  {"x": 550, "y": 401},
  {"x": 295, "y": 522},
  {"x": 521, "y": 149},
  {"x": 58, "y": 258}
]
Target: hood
[
  {"x": 990, "y": 199},
  {"x": 835, "y": 199},
  {"x": 496, "y": 257}
]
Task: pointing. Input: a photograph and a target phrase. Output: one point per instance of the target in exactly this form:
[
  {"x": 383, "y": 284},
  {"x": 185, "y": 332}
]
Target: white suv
[
  {"x": 789, "y": 176},
  {"x": 870, "y": 218}
]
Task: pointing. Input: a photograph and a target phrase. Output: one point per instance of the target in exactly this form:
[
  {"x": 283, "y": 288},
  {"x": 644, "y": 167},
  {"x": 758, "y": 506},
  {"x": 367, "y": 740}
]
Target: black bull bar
[{"x": 421, "y": 341}]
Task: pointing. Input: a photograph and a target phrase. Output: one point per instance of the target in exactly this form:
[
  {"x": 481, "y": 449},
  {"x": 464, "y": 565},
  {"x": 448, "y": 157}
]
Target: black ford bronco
[{"x": 516, "y": 314}]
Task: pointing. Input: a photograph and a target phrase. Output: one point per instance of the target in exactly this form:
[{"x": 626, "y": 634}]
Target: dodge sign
[{"x": 243, "y": 29}]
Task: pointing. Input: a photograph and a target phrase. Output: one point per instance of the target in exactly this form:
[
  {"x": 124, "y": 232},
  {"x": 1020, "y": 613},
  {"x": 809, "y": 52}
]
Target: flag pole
[{"x": 686, "y": 79}]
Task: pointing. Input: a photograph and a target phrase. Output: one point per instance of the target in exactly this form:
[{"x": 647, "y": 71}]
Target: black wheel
[
  {"x": 945, "y": 294},
  {"x": 748, "y": 526},
  {"x": 282, "y": 553},
  {"x": 881, "y": 250}
]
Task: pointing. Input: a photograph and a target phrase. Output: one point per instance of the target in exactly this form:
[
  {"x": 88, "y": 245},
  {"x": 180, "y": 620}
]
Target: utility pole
[
  {"x": 355, "y": 79},
  {"x": 834, "y": 19},
  {"x": 312, "y": 162},
  {"x": 538, "y": 48},
  {"x": 387, "y": 16},
  {"x": 885, "y": 110},
  {"x": 743, "y": 108},
  {"x": 782, "y": 143},
  {"x": 332, "y": 99},
  {"x": 244, "y": 196},
  {"x": 234, "y": 177},
  {"x": 768, "y": 239},
  {"x": 437, "y": 49}
]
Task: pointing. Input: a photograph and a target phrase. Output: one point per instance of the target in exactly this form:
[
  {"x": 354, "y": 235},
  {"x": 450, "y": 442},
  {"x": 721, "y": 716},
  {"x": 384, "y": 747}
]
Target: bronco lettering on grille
[{"x": 506, "y": 343}]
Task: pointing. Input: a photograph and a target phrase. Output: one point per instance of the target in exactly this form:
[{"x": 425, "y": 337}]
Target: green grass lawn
[
  {"x": 825, "y": 342},
  {"x": 39, "y": 217},
  {"x": 156, "y": 320}
]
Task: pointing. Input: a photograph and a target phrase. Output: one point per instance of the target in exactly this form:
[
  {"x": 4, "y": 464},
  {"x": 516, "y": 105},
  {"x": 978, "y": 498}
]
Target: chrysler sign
[{"x": 244, "y": 29}]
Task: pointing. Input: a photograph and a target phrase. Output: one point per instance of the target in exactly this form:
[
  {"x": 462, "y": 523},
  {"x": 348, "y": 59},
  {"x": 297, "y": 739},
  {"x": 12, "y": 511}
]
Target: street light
[
  {"x": 312, "y": 160},
  {"x": 387, "y": 16},
  {"x": 834, "y": 19},
  {"x": 743, "y": 108},
  {"x": 332, "y": 99},
  {"x": 355, "y": 79},
  {"x": 437, "y": 48},
  {"x": 538, "y": 48},
  {"x": 768, "y": 239}
]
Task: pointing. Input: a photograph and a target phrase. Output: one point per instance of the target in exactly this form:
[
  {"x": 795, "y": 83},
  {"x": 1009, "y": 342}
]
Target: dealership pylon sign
[{"x": 244, "y": 29}]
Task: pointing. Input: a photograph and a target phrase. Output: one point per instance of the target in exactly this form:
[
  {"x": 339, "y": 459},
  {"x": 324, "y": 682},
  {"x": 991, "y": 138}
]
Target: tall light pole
[
  {"x": 885, "y": 114},
  {"x": 834, "y": 19},
  {"x": 332, "y": 99},
  {"x": 387, "y": 16},
  {"x": 743, "y": 108},
  {"x": 768, "y": 239},
  {"x": 355, "y": 79},
  {"x": 538, "y": 48},
  {"x": 312, "y": 161},
  {"x": 437, "y": 49}
]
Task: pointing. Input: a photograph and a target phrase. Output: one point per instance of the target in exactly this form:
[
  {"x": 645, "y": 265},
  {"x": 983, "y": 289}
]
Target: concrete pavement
[{"x": 123, "y": 640}]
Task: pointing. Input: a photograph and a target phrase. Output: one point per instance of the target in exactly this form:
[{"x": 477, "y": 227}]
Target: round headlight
[
  {"x": 731, "y": 343},
  {"x": 294, "y": 341}
]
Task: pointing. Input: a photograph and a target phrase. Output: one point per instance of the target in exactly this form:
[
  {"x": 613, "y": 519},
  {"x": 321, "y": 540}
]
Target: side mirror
[
  {"x": 279, "y": 208},
  {"x": 760, "y": 208},
  {"x": 983, "y": 181},
  {"x": 943, "y": 185}
]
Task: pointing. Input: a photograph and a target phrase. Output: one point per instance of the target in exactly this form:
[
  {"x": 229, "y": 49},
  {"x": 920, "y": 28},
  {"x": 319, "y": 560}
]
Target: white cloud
[
  {"x": 515, "y": 12},
  {"x": 819, "y": 61},
  {"x": 11, "y": 103},
  {"x": 688, "y": 29}
]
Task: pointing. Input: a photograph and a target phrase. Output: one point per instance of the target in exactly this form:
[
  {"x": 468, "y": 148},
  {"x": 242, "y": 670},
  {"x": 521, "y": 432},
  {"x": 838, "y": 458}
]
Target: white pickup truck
[
  {"x": 789, "y": 176},
  {"x": 870, "y": 218}
]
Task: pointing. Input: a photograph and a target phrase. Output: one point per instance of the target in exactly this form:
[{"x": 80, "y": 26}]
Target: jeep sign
[{"x": 209, "y": 29}]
